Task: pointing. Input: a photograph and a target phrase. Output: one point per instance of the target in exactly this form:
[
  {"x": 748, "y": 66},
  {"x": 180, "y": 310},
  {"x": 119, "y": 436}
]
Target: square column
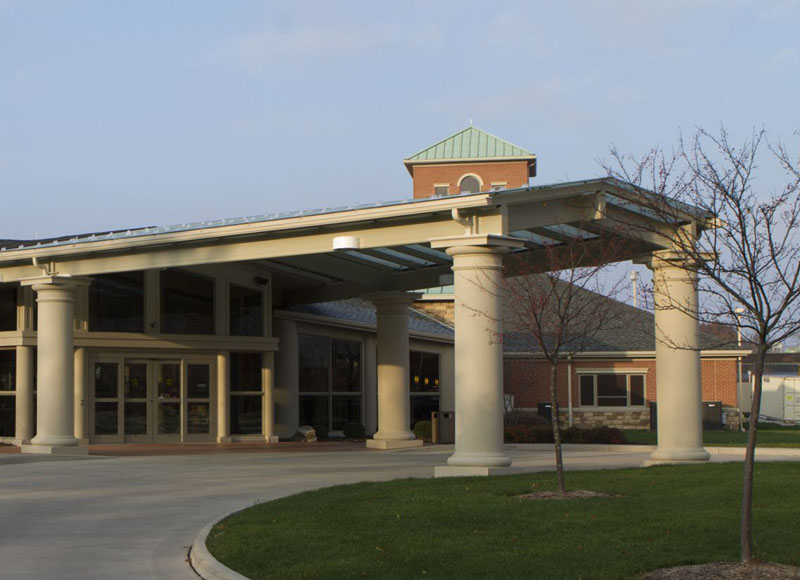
[
  {"x": 478, "y": 273},
  {"x": 680, "y": 420},
  {"x": 55, "y": 297},
  {"x": 223, "y": 397},
  {"x": 394, "y": 397},
  {"x": 268, "y": 411}
]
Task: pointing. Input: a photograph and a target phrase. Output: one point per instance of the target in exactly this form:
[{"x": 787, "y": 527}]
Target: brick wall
[
  {"x": 529, "y": 381},
  {"x": 515, "y": 173},
  {"x": 443, "y": 310}
]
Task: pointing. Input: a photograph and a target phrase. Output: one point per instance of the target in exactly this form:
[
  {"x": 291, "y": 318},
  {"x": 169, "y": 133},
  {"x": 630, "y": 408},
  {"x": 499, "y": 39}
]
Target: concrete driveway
[{"x": 135, "y": 517}]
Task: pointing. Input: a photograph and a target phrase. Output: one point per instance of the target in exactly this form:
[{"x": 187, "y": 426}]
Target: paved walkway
[{"x": 135, "y": 516}]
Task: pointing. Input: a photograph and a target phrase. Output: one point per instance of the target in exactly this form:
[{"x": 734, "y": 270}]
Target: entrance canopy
[{"x": 327, "y": 254}]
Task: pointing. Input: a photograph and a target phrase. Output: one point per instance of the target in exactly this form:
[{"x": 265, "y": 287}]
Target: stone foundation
[{"x": 639, "y": 420}]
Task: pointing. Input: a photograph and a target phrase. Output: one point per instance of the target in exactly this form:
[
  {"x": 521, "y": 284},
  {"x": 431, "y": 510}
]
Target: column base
[
  {"x": 393, "y": 443},
  {"x": 478, "y": 460},
  {"x": 474, "y": 471},
  {"x": 56, "y": 449},
  {"x": 674, "y": 456}
]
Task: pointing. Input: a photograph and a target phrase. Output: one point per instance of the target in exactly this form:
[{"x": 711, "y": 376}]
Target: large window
[
  {"x": 247, "y": 313},
  {"x": 8, "y": 387},
  {"x": 612, "y": 390},
  {"x": 330, "y": 381},
  {"x": 424, "y": 387},
  {"x": 116, "y": 302},
  {"x": 8, "y": 308},
  {"x": 187, "y": 303},
  {"x": 246, "y": 380}
]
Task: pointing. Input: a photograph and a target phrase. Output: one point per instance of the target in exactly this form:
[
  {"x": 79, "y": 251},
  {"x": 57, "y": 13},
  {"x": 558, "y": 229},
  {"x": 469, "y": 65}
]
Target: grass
[
  {"x": 768, "y": 436},
  {"x": 479, "y": 528}
]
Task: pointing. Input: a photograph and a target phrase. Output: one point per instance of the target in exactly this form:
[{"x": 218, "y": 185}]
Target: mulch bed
[{"x": 727, "y": 571}]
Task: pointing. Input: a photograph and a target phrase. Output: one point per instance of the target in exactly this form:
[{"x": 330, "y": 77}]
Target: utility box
[
  {"x": 712, "y": 415},
  {"x": 780, "y": 398},
  {"x": 443, "y": 427},
  {"x": 546, "y": 411},
  {"x": 653, "y": 416}
]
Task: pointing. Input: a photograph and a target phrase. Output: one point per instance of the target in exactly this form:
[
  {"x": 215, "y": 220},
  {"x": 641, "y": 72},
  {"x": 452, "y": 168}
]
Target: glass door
[
  {"x": 198, "y": 402},
  {"x": 138, "y": 423},
  {"x": 168, "y": 403}
]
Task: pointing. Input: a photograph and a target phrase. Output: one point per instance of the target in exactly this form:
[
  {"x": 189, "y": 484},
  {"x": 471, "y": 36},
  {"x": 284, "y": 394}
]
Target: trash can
[
  {"x": 443, "y": 427},
  {"x": 712, "y": 415},
  {"x": 546, "y": 411},
  {"x": 653, "y": 416}
]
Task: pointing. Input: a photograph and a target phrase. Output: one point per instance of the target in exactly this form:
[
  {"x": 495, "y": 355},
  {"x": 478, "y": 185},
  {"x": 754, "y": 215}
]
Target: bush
[
  {"x": 322, "y": 431},
  {"x": 544, "y": 434},
  {"x": 354, "y": 431},
  {"x": 529, "y": 434},
  {"x": 422, "y": 429},
  {"x": 512, "y": 418}
]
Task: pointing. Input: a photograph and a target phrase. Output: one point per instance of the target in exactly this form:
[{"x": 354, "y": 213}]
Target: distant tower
[
  {"x": 634, "y": 278},
  {"x": 468, "y": 162}
]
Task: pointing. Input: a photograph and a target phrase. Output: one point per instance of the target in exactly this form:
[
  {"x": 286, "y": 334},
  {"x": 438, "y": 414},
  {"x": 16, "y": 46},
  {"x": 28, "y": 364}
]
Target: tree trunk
[
  {"x": 562, "y": 488},
  {"x": 746, "y": 535}
]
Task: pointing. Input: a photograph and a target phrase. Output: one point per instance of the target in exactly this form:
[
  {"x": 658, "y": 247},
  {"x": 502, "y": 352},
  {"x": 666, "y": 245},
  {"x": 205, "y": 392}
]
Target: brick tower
[{"x": 468, "y": 162}]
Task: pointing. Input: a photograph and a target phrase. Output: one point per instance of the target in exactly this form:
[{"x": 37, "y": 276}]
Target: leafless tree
[
  {"x": 742, "y": 240},
  {"x": 562, "y": 309}
]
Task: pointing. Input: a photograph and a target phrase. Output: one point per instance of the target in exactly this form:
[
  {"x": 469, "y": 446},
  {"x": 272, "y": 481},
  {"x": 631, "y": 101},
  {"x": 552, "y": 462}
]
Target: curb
[{"x": 204, "y": 564}]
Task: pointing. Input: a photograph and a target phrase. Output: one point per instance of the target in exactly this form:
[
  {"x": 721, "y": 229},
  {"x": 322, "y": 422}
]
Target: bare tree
[
  {"x": 561, "y": 310},
  {"x": 741, "y": 239}
]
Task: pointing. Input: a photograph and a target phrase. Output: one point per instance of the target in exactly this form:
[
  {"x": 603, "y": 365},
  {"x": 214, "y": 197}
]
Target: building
[{"x": 195, "y": 332}]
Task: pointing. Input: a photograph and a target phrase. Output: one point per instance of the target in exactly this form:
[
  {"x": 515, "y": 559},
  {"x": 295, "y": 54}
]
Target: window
[
  {"x": 247, "y": 313},
  {"x": 441, "y": 190},
  {"x": 8, "y": 308},
  {"x": 187, "y": 303},
  {"x": 499, "y": 185},
  {"x": 246, "y": 380},
  {"x": 330, "y": 381},
  {"x": 612, "y": 390},
  {"x": 8, "y": 387},
  {"x": 470, "y": 184},
  {"x": 116, "y": 302},
  {"x": 424, "y": 387}
]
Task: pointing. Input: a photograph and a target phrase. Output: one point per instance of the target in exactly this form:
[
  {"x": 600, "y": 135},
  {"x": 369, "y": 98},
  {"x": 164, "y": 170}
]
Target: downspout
[
  {"x": 467, "y": 222},
  {"x": 569, "y": 389}
]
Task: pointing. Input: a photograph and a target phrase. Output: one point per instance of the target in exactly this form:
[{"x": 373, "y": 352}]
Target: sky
[{"x": 118, "y": 114}]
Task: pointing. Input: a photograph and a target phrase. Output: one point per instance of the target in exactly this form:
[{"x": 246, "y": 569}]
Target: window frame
[{"x": 627, "y": 373}]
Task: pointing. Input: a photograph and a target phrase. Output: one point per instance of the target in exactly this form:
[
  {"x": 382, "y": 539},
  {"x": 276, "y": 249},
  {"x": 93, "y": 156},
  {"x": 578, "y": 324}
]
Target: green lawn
[
  {"x": 479, "y": 528},
  {"x": 768, "y": 436}
]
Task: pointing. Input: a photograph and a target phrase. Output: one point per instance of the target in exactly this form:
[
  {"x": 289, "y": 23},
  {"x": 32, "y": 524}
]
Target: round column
[
  {"x": 478, "y": 357},
  {"x": 55, "y": 421},
  {"x": 25, "y": 410},
  {"x": 394, "y": 415},
  {"x": 81, "y": 363},
  {"x": 269, "y": 399},
  {"x": 678, "y": 380}
]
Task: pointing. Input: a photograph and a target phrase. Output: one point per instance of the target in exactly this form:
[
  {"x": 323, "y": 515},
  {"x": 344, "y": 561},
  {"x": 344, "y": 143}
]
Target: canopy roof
[{"x": 394, "y": 241}]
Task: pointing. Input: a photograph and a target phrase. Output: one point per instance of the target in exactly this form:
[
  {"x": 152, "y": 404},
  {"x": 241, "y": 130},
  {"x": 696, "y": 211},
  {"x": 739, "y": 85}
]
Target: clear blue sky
[{"x": 117, "y": 114}]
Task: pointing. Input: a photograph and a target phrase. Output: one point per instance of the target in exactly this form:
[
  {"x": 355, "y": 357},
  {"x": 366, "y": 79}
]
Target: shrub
[
  {"x": 354, "y": 431},
  {"x": 529, "y": 434},
  {"x": 322, "y": 431},
  {"x": 512, "y": 418},
  {"x": 422, "y": 429}
]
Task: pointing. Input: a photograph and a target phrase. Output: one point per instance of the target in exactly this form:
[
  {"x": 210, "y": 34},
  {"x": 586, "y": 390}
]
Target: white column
[
  {"x": 478, "y": 357},
  {"x": 24, "y": 430},
  {"x": 55, "y": 430},
  {"x": 394, "y": 402},
  {"x": 680, "y": 421},
  {"x": 268, "y": 413},
  {"x": 223, "y": 397},
  {"x": 81, "y": 362}
]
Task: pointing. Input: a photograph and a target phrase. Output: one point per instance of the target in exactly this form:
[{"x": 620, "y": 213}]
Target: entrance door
[{"x": 152, "y": 400}]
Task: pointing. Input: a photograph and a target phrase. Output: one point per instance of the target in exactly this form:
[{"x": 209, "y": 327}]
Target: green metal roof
[{"x": 470, "y": 143}]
